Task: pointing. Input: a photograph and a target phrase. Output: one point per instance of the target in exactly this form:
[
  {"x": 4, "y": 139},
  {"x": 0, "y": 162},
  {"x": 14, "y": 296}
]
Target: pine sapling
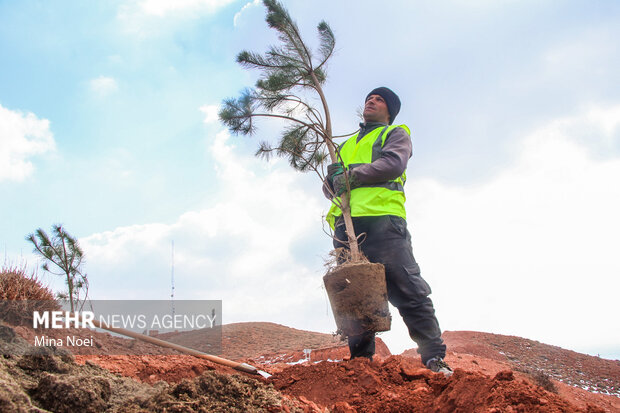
[{"x": 292, "y": 76}]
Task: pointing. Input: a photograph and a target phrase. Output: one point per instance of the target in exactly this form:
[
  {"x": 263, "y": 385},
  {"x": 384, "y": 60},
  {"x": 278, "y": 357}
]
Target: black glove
[{"x": 340, "y": 184}]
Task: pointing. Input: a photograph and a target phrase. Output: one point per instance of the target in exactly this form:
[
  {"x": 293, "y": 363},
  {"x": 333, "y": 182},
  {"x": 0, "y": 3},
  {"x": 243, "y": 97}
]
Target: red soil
[
  {"x": 493, "y": 373},
  {"x": 400, "y": 384},
  {"x": 150, "y": 369}
]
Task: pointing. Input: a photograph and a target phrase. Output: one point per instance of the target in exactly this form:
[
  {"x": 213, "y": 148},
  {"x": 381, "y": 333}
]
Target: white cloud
[
  {"x": 103, "y": 85},
  {"x": 588, "y": 52},
  {"x": 21, "y": 137},
  {"x": 145, "y": 18},
  {"x": 243, "y": 9},
  {"x": 210, "y": 112},
  {"x": 600, "y": 126},
  {"x": 161, "y": 8},
  {"x": 239, "y": 249},
  {"x": 532, "y": 252}
]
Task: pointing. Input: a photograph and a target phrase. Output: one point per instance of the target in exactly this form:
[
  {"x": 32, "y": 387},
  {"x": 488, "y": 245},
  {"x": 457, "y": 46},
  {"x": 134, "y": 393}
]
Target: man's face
[{"x": 375, "y": 110}]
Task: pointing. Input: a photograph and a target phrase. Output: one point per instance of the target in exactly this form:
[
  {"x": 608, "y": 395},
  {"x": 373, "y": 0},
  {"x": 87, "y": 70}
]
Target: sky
[{"x": 108, "y": 125}]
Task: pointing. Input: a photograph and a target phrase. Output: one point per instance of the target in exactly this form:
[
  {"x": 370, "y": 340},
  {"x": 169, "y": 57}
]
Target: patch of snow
[{"x": 300, "y": 361}]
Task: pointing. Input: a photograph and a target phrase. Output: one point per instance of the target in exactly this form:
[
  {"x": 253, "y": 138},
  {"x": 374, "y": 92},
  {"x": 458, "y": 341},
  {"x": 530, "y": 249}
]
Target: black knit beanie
[{"x": 391, "y": 100}]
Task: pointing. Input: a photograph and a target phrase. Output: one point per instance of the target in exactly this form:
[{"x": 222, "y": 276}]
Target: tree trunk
[
  {"x": 70, "y": 288},
  {"x": 356, "y": 256}
]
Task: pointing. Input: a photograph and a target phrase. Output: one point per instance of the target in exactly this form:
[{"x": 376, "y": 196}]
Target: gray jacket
[{"x": 395, "y": 155}]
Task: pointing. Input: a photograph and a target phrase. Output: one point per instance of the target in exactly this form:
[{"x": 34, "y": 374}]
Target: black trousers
[{"x": 387, "y": 241}]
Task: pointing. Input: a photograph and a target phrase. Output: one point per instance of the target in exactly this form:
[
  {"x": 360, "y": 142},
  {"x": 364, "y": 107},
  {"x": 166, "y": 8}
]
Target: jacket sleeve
[{"x": 395, "y": 155}]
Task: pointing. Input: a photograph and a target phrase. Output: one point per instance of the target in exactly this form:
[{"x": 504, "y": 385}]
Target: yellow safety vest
[{"x": 385, "y": 198}]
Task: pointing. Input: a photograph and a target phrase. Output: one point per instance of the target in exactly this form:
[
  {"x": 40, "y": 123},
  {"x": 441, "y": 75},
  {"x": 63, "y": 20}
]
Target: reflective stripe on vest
[{"x": 385, "y": 198}]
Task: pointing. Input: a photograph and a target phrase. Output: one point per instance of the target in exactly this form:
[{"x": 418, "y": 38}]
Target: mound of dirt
[{"x": 399, "y": 384}]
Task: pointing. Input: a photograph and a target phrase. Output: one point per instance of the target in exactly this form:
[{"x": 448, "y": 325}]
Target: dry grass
[
  {"x": 540, "y": 378},
  {"x": 21, "y": 294},
  {"x": 543, "y": 380},
  {"x": 16, "y": 284}
]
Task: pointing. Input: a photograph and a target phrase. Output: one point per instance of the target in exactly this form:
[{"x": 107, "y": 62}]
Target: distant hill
[
  {"x": 250, "y": 340},
  {"x": 594, "y": 374}
]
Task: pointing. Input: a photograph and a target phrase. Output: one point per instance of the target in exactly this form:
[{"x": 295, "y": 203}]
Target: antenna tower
[{"x": 172, "y": 282}]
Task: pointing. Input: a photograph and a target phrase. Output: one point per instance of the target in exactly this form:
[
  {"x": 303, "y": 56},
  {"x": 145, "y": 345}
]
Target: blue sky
[{"x": 107, "y": 126}]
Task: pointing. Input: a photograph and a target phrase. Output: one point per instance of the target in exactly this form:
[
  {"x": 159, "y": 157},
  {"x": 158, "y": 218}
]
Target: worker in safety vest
[{"x": 376, "y": 159}]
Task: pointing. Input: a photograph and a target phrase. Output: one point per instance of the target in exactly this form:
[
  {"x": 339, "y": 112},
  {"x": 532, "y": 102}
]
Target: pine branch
[
  {"x": 237, "y": 114},
  {"x": 254, "y": 60},
  {"x": 344, "y": 136},
  {"x": 302, "y": 147},
  {"x": 264, "y": 151},
  {"x": 279, "y": 19},
  {"x": 43, "y": 247},
  {"x": 327, "y": 42}
]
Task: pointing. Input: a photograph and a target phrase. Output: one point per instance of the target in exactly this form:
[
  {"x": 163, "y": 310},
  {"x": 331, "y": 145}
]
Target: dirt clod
[
  {"x": 47, "y": 359},
  {"x": 505, "y": 375},
  {"x": 213, "y": 391},
  {"x": 72, "y": 394}
]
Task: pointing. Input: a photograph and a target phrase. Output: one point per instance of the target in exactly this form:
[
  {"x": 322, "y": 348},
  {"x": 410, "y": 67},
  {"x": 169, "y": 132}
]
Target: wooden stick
[{"x": 246, "y": 368}]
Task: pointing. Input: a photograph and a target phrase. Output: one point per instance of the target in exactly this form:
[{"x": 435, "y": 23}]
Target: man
[{"x": 376, "y": 159}]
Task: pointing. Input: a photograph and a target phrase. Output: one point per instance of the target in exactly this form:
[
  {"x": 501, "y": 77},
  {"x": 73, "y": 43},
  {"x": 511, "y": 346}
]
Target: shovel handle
[{"x": 219, "y": 360}]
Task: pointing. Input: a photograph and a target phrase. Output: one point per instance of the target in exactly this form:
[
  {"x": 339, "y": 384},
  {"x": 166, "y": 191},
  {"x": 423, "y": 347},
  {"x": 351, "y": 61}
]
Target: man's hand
[
  {"x": 334, "y": 169},
  {"x": 340, "y": 183}
]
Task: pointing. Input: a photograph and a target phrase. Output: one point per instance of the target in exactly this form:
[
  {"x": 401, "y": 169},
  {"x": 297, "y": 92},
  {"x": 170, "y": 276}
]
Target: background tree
[
  {"x": 63, "y": 251},
  {"x": 292, "y": 77}
]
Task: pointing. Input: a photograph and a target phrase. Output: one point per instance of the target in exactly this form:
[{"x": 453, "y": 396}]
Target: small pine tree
[
  {"x": 63, "y": 251},
  {"x": 290, "y": 74}
]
